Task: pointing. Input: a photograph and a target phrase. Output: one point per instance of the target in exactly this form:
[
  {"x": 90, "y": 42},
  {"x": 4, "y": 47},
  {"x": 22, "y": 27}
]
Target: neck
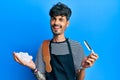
[{"x": 59, "y": 38}]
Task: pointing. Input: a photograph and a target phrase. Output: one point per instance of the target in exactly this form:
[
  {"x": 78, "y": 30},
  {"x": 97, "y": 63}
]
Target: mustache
[{"x": 57, "y": 25}]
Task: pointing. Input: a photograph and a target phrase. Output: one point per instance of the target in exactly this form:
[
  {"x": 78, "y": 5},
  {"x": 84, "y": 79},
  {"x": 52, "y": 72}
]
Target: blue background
[{"x": 24, "y": 24}]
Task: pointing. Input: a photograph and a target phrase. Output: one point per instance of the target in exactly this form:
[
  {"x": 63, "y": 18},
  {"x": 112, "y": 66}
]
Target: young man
[{"x": 67, "y": 59}]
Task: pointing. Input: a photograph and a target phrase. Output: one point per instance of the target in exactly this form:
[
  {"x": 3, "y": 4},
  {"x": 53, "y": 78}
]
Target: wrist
[
  {"x": 82, "y": 68},
  {"x": 34, "y": 70},
  {"x": 33, "y": 67}
]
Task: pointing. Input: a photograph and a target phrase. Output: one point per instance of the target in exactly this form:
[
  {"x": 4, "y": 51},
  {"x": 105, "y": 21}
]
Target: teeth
[{"x": 56, "y": 26}]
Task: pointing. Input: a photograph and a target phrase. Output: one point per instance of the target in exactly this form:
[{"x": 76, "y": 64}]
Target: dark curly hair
[{"x": 60, "y": 9}]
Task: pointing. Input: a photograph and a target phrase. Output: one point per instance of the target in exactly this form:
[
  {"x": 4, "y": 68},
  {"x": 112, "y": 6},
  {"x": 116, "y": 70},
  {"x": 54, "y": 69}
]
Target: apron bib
[{"x": 62, "y": 66}]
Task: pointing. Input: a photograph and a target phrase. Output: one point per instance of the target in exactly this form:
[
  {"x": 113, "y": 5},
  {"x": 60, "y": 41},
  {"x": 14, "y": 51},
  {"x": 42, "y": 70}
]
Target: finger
[
  {"x": 15, "y": 57},
  {"x": 18, "y": 59},
  {"x": 93, "y": 56},
  {"x": 89, "y": 63},
  {"x": 90, "y": 59}
]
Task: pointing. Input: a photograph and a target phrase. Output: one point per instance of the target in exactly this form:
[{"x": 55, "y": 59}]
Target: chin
[{"x": 56, "y": 33}]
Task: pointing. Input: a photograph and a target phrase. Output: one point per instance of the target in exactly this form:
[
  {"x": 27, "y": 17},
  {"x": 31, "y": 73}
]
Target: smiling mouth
[{"x": 56, "y": 27}]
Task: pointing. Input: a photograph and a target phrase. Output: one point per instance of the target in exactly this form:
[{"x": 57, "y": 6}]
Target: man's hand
[
  {"x": 29, "y": 64},
  {"x": 89, "y": 60}
]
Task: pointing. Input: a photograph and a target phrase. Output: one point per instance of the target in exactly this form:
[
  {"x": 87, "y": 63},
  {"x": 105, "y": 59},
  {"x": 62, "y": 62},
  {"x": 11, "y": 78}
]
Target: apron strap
[{"x": 46, "y": 55}]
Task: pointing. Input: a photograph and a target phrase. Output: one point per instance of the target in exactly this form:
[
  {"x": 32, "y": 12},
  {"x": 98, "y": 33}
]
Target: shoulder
[{"x": 74, "y": 42}]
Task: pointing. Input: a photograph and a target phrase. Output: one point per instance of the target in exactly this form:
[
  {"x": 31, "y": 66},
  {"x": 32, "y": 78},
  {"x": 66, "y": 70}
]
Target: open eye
[{"x": 61, "y": 19}]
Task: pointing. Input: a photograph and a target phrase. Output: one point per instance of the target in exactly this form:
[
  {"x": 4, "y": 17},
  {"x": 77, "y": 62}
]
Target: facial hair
[
  {"x": 56, "y": 25},
  {"x": 55, "y": 31}
]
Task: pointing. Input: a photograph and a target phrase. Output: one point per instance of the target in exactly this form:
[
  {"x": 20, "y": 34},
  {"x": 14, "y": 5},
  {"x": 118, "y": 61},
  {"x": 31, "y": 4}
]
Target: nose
[{"x": 56, "y": 22}]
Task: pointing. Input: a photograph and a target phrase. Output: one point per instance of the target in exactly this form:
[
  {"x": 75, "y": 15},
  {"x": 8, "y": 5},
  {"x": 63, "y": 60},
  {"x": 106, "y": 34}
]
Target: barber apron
[{"x": 62, "y": 66}]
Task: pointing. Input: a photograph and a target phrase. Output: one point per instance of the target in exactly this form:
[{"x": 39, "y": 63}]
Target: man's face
[{"x": 58, "y": 24}]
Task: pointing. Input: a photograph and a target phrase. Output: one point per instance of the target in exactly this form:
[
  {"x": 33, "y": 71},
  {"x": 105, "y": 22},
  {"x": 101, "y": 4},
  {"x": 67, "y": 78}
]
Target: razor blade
[{"x": 88, "y": 46}]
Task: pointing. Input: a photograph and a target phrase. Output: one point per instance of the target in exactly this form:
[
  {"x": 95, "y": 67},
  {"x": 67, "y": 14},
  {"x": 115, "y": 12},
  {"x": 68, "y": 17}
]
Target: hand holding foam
[{"x": 24, "y": 56}]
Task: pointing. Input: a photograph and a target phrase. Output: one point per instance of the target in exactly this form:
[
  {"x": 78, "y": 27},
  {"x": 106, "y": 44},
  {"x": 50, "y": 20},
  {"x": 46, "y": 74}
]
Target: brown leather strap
[{"x": 46, "y": 55}]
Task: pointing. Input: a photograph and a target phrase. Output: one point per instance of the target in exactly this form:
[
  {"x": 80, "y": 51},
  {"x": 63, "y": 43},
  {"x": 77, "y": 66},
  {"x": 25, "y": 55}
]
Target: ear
[{"x": 68, "y": 23}]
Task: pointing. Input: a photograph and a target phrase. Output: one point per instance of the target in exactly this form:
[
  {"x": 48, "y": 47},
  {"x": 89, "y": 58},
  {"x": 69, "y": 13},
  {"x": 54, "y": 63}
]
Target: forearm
[{"x": 81, "y": 74}]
